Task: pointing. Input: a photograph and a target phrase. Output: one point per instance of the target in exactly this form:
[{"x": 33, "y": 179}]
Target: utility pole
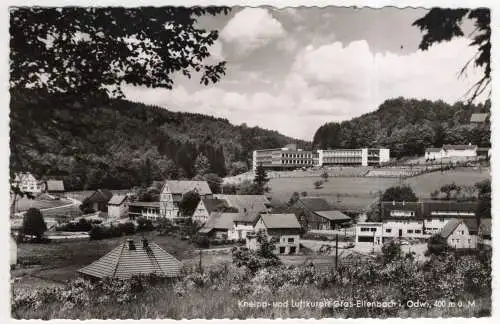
[{"x": 337, "y": 252}]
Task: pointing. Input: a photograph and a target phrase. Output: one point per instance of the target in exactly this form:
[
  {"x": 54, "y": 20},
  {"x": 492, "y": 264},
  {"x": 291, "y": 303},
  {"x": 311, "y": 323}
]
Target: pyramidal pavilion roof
[{"x": 134, "y": 258}]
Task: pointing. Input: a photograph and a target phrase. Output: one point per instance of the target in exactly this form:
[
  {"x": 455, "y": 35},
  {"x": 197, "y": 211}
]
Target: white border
[{"x": 4, "y": 124}]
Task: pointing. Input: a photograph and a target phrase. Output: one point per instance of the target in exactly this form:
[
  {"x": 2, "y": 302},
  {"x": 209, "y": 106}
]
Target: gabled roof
[
  {"x": 450, "y": 226},
  {"x": 313, "y": 204},
  {"x": 433, "y": 149},
  {"x": 333, "y": 215},
  {"x": 219, "y": 221},
  {"x": 213, "y": 204},
  {"x": 249, "y": 206},
  {"x": 55, "y": 185},
  {"x": 147, "y": 204},
  {"x": 280, "y": 221},
  {"x": 123, "y": 263},
  {"x": 436, "y": 206},
  {"x": 183, "y": 186},
  {"x": 459, "y": 147},
  {"x": 478, "y": 117},
  {"x": 117, "y": 200},
  {"x": 100, "y": 195}
]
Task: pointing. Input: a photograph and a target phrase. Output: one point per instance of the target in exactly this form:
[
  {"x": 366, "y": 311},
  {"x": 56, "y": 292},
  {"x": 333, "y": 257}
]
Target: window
[
  {"x": 462, "y": 232},
  {"x": 441, "y": 220},
  {"x": 290, "y": 240},
  {"x": 363, "y": 229},
  {"x": 410, "y": 231},
  {"x": 417, "y": 231},
  {"x": 388, "y": 230},
  {"x": 282, "y": 249},
  {"x": 373, "y": 229}
]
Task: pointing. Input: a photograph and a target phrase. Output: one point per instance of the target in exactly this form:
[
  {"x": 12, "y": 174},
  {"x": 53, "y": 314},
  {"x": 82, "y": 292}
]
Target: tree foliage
[
  {"x": 441, "y": 24},
  {"x": 99, "y": 147},
  {"x": 201, "y": 165},
  {"x": 407, "y": 127},
  {"x": 83, "y": 50},
  {"x": 33, "y": 223},
  {"x": 261, "y": 178},
  {"x": 214, "y": 182},
  {"x": 399, "y": 193},
  {"x": 188, "y": 203}
]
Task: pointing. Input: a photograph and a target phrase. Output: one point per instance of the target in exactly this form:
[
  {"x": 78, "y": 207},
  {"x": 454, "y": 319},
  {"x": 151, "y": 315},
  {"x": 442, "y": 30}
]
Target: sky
[{"x": 295, "y": 69}]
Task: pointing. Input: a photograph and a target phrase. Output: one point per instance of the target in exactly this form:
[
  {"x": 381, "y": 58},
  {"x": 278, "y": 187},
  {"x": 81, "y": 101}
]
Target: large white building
[
  {"x": 27, "y": 182},
  {"x": 413, "y": 220},
  {"x": 289, "y": 157},
  {"x": 451, "y": 151}
]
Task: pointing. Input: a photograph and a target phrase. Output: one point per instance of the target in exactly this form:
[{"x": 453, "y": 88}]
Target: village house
[
  {"x": 148, "y": 210},
  {"x": 451, "y": 151},
  {"x": 132, "y": 259},
  {"x": 370, "y": 233},
  {"x": 118, "y": 206},
  {"x": 26, "y": 182},
  {"x": 434, "y": 153},
  {"x": 460, "y": 233},
  {"x": 172, "y": 192},
  {"x": 98, "y": 200},
  {"x": 283, "y": 230},
  {"x": 248, "y": 207},
  {"x": 206, "y": 207},
  {"x": 316, "y": 213},
  {"x": 219, "y": 225},
  {"x": 53, "y": 187}
]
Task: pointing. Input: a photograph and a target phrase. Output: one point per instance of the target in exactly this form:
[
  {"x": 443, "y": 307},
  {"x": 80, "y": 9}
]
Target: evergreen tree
[
  {"x": 201, "y": 165},
  {"x": 33, "y": 223},
  {"x": 261, "y": 178}
]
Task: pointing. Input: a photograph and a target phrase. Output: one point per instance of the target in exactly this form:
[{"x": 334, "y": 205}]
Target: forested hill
[
  {"x": 407, "y": 127},
  {"x": 118, "y": 144}
]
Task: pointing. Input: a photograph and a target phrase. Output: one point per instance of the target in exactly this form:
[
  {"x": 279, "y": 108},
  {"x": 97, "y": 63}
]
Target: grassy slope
[{"x": 359, "y": 192}]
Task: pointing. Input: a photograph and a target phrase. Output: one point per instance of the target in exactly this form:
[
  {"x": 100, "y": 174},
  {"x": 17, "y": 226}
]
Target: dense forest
[
  {"x": 407, "y": 127},
  {"x": 108, "y": 143}
]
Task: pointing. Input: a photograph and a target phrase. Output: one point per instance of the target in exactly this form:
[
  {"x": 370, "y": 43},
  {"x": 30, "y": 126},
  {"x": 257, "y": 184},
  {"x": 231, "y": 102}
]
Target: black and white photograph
[{"x": 237, "y": 162}]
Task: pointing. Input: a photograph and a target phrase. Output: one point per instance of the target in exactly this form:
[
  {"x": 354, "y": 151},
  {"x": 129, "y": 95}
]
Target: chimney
[
  {"x": 131, "y": 245},
  {"x": 145, "y": 243}
]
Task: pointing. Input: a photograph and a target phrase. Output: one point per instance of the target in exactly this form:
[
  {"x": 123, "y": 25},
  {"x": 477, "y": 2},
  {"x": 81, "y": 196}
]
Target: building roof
[
  {"x": 183, "y": 186},
  {"x": 430, "y": 208},
  {"x": 433, "y": 149},
  {"x": 277, "y": 221},
  {"x": 213, "y": 204},
  {"x": 478, "y": 117},
  {"x": 117, "y": 200},
  {"x": 220, "y": 221},
  {"x": 150, "y": 204},
  {"x": 100, "y": 195},
  {"x": 55, "y": 185},
  {"x": 450, "y": 226},
  {"x": 333, "y": 215},
  {"x": 459, "y": 147},
  {"x": 249, "y": 206},
  {"x": 313, "y": 204},
  {"x": 123, "y": 262}
]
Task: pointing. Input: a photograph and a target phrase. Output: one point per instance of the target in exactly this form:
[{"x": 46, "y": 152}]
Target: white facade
[
  {"x": 403, "y": 228},
  {"x": 27, "y": 183},
  {"x": 171, "y": 197},
  {"x": 240, "y": 230},
  {"x": 369, "y": 233},
  {"x": 461, "y": 153},
  {"x": 118, "y": 211},
  {"x": 434, "y": 155},
  {"x": 201, "y": 213},
  {"x": 286, "y": 242},
  {"x": 13, "y": 251},
  {"x": 362, "y": 156},
  {"x": 385, "y": 155},
  {"x": 434, "y": 225},
  {"x": 460, "y": 238}
]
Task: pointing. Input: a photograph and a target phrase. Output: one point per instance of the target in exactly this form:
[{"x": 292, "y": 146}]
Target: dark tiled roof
[
  {"x": 433, "y": 149},
  {"x": 388, "y": 206},
  {"x": 478, "y": 117},
  {"x": 183, "y": 186},
  {"x": 55, "y": 185},
  {"x": 150, "y": 204},
  {"x": 123, "y": 263},
  {"x": 213, "y": 204},
  {"x": 430, "y": 208},
  {"x": 278, "y": 221},
  {"x": 459, "y": 147},
  {"x": 450, "y": 226},
  {"x": 334, "y": 215},
  {"x": 219, "y": 220},
  {"x": 117, "y": 200},
  {"x": 313, "y": 204},
  {"x": 100, "y": 196},
  {"x": 249, "y": 206}
]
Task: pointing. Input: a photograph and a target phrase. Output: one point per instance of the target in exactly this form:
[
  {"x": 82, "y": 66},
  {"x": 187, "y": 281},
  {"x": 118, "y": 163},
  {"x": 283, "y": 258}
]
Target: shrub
[
  {"x": 33, "y": 223},
  {"x": 437, "y": 245},
  {"x": 318, "y": 184},
  {"x": 144, "y": 225},
  {"x": 391, "y": 251},
  {"x": 127, "y": 228}
]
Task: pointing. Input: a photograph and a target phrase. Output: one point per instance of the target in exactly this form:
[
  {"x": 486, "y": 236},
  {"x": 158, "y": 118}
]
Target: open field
[
  {"x": 24, "y": 204},
  {"x": 359, "y": 192}
]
